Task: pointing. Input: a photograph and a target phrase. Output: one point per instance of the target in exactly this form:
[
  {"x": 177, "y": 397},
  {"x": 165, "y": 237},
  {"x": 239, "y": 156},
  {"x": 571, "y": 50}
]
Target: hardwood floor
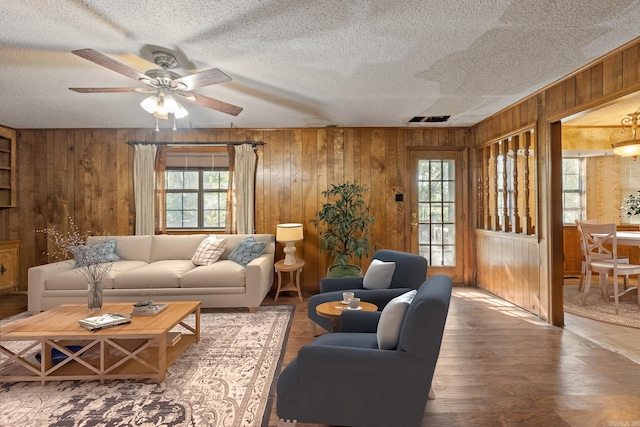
[{"x": 501, "y": 366}]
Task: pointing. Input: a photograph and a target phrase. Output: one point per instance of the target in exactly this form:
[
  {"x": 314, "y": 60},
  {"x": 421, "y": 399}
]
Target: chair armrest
[
  {"x": 380, "y": 297},
  {"x": 331, "y": 284},
  {"x": 343, "y": 362},
  {"x": 365, "y": 321}
]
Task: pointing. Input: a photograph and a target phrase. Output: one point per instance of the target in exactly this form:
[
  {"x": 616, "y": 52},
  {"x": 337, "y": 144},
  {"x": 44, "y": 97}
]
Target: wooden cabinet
[
  {"x": 9, "y": 267},
  {"x": 8, "y": 171}
]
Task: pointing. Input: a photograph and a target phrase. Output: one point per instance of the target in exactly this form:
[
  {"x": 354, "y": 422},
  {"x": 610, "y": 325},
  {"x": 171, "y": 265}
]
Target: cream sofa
[{"x": 160, "y": 267}]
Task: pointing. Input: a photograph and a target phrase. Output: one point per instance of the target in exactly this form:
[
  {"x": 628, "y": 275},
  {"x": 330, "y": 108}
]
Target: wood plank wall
[
  {"x": 89, "y": 172},
  {"x": 615, "y": 75}
]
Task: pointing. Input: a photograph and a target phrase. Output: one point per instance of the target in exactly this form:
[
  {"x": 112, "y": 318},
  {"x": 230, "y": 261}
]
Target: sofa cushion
[
  {"x": 378, "y": 275},
  {"x": 73, "y": 280},
  {"x": 168, "y": 247},
  {"x": 159, "y": 274},
  {"x": 391, "y": 318},
  {"x": 224, "y": 273},
  {"x": 248, "y": 250},
  {"x": 209, "y": 251}
]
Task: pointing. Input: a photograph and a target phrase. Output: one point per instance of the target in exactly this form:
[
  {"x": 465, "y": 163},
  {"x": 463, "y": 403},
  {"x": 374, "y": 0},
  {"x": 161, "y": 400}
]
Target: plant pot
[
  {"x": 349, "y": 271},
  {"x": 94, "y": 301}
]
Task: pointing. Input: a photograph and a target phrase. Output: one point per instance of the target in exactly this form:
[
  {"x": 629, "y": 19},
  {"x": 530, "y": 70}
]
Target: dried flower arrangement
[{"x": 91, "y": 260}]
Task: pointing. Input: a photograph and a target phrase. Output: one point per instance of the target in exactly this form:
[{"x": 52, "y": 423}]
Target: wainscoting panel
[{"x": 507, "y": 266}]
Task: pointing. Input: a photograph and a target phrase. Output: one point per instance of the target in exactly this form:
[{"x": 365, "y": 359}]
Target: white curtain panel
[
  {"x": 244, "y": 185},
  {"x": 144, "y": 179}
]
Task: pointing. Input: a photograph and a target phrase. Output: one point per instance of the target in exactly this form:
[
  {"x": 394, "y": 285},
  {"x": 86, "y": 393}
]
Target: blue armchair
[
  {"x": 344, "y": 379},
  {"x": 410, "y": 272}
]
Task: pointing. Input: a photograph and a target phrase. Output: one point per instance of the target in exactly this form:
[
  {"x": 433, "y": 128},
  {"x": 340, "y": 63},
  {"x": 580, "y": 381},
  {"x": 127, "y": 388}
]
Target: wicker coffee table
[{"x": 55, "y": 347}]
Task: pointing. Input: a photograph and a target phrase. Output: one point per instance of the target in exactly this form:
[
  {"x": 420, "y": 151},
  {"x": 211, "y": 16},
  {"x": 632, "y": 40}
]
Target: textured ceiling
[{"x": 301, "y": 63}]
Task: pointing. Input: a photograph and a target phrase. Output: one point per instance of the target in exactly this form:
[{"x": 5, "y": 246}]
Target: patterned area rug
[
  {"x": 225, "y": 380},
  {"x": 597, "y": 308}
]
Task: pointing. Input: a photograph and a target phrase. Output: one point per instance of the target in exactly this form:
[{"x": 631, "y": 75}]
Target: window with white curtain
[{"x": 196, "y": 185}]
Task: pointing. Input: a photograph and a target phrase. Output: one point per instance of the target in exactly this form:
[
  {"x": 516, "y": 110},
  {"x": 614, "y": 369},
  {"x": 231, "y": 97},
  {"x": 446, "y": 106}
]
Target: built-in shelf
[{"x": 8, "y": 189}]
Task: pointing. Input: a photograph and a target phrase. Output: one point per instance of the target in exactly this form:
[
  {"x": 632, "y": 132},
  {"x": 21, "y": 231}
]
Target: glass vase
[{"x": 95, "y": 296}]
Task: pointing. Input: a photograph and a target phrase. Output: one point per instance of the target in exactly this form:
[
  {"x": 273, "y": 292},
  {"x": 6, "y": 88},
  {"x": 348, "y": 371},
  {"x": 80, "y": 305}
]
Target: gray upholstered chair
[
  {"x": 410, "y": 273},
  {"x": 345, "y": 379}
]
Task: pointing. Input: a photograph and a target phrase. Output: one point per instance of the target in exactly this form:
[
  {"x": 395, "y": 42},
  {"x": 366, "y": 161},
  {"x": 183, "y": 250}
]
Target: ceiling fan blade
[
  {"x": 112, "y": 64},
  {"x": 214, "y": 104},
  {"x": 204, "y": 78},
  {"x": 103, "y": 89}
]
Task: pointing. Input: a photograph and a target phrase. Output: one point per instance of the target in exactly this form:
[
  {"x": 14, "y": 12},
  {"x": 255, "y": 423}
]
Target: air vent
[{"x": 429, "y": 119}]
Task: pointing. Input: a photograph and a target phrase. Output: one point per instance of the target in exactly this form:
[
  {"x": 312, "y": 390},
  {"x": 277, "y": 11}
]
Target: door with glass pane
[{"x": 436, "y": 214}]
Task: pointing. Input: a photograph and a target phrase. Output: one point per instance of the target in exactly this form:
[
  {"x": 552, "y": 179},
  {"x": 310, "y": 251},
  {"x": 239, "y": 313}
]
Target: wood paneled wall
[
  {"x": 89, "y": 172},
  {"x": 615, "y": 75},
  {"x": 510, "y": 268}
]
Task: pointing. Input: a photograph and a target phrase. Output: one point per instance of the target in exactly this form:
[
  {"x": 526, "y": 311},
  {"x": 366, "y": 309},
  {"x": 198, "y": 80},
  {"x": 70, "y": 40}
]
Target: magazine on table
[{"x": 104, "y": 321}]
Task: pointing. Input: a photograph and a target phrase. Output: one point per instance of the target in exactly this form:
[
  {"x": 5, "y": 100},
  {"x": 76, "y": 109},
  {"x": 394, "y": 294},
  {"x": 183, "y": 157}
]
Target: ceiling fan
[{"x": 162, "y": 84}]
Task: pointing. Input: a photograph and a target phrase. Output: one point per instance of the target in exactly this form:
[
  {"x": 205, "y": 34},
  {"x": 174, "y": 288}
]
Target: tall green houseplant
[{"x": 344, "y": 225}]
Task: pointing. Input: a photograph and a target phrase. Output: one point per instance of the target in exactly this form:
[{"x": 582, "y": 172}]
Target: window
[
  {"x": 573, "y": 192},
  {"x": 196, "y": 187}
]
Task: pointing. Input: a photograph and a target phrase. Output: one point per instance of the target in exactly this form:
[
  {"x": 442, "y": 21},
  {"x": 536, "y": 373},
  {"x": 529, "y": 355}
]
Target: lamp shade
[
  {"x": 627, "y": 148},
  {"x": 291, "y": 232}
]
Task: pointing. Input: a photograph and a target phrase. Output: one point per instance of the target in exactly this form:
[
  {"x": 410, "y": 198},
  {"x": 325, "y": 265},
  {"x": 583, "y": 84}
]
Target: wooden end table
[
  {"x": 142, "y": 349},
  {"x": 332, "y": 310},
  {"x": 294, "y": 282}
]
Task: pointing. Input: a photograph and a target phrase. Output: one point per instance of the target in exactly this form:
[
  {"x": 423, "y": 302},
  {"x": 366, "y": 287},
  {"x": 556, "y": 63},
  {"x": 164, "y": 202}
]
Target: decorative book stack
[{"x": 104, "y": 321}]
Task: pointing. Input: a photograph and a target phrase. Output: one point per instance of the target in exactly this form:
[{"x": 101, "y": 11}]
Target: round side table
[
  {"x": 332, "y": 310},
  {"x": 294, "y": 282}
]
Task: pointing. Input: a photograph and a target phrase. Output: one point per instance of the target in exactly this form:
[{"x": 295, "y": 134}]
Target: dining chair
[
  {"x": 594, "y": 238},
  {"x": 604, "y": 255}
]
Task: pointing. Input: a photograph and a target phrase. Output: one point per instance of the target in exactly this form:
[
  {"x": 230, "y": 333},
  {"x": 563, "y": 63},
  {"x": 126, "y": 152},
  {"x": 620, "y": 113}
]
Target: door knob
[{"x": 414, "y": 219}]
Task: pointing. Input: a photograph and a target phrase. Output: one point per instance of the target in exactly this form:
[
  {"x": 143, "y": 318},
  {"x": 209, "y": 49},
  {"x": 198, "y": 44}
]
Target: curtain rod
[{"x": 195, "y": 144}]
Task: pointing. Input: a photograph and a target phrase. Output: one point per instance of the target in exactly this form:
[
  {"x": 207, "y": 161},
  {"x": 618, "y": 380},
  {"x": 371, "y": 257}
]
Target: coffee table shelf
[{"x": 142, "y": 349}]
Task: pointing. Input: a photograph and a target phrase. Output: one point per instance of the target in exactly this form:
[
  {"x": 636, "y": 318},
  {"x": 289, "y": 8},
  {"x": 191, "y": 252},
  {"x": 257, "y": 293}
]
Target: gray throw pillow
[
  {"x": 391, "y": 319},
  {"x": 247, "y": 251}
]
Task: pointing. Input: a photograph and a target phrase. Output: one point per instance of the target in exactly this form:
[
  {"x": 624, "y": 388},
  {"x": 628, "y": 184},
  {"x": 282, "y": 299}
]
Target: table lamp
[{"x": 289, "y": 233}]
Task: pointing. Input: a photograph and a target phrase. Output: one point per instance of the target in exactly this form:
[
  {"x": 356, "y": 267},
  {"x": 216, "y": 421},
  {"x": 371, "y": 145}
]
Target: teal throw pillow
[
  {"x": 247, "y": 251},
  {"x": 95, "y": 254},
  {"x": 107, "y": 251}
]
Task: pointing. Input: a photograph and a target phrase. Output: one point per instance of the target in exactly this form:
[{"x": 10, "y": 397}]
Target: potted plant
[
  {"x": 630, "y": 207},
  {"x": 344, "y": 223}
]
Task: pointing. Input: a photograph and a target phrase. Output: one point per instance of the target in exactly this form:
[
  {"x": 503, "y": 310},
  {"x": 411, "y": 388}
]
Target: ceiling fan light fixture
[
  {"x": 162, "y": 82},
  {"x": 161, "y": 106},
  {"x": 170, "y": 104},
  {"x": 149, "y": 104},
  {"x": 161, "y": 115},
  {"x": 180, "y": 112}
]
